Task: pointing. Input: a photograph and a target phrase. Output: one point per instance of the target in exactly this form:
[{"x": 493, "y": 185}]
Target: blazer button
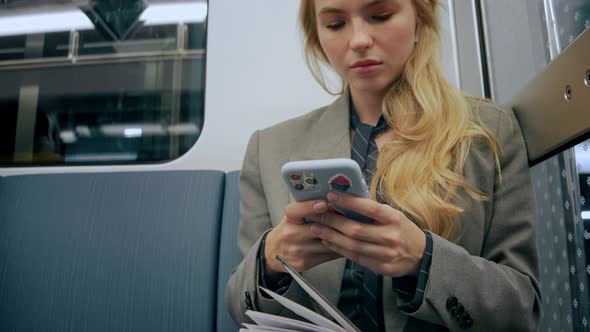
[
  {"x": 452, "y": 303},
  {"x": 465, "y": 321},
  {"x": 458, "y": 312}
]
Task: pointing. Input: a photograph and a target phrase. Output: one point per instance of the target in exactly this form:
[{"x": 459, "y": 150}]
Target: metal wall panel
[{"x": 468, "y": 47}]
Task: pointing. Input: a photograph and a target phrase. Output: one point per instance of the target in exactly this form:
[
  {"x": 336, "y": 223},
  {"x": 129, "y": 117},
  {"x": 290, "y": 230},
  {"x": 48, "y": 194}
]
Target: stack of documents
[{"x": 266, "y": 322}]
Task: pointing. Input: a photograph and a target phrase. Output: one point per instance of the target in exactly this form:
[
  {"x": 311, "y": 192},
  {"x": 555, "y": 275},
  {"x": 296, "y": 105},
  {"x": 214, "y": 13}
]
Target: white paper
[
  {"x": 258, "y": 328},
  {"x": 304, "y": 312},
  {"x": 273, "y": 321},
  {"x": 320, "y": 299}
]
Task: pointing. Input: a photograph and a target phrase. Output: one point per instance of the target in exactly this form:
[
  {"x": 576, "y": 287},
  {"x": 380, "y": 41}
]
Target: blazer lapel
[{"x": 329, "y": 137}]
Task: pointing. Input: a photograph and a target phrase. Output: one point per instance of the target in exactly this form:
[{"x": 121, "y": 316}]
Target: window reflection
[
  {"x": 582, "y": 152},
  {"x": 109, "y": 85}
]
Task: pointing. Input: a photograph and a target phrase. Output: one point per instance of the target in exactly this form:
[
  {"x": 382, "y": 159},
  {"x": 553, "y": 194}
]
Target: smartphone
[{"x": 314, "y": 179}]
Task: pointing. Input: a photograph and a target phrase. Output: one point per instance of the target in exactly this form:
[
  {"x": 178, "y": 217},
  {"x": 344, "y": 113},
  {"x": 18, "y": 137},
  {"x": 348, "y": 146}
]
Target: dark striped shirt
[{"x": 354, "y": 292}]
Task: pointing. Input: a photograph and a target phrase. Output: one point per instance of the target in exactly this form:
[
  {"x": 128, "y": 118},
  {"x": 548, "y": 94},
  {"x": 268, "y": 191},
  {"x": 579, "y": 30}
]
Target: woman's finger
[
  {"x": 366, "y": 261},
  {"x": 296, "y": 212},
  {"x": 301, "y": 264},
  {"x": 351, "y": 228},
  {"x": 381, "y": 213},
  {"x": 353, "y": 246}
]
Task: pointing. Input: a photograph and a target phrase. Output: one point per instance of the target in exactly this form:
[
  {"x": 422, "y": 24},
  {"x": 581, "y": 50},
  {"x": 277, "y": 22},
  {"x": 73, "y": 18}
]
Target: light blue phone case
[{"x": 313, "y": 179}]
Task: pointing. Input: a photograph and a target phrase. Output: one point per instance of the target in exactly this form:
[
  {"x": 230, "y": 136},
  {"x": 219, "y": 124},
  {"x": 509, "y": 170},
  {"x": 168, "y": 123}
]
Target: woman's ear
[{"x": 417, "y": 36}]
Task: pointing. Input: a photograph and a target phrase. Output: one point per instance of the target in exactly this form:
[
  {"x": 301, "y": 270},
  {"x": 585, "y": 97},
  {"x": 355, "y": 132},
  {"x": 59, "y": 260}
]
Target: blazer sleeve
[
  {"x": 498, "y": 290},
  {"x": 254, "y": 223}
]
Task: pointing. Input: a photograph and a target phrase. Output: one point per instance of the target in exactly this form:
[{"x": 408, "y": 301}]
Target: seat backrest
[
  {"x": 229, "y": 253},
  {"x": 110, "y": 251}
]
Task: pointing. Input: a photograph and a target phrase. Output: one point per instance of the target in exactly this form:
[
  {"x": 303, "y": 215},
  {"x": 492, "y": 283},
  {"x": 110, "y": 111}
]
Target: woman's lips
[
  {"x": 366, "y": 69},
  {"x": 365, "y": 66}
]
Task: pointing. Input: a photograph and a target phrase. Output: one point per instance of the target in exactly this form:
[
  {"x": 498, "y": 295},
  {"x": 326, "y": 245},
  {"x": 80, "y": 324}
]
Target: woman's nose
[{"x": 361, "y": 38}]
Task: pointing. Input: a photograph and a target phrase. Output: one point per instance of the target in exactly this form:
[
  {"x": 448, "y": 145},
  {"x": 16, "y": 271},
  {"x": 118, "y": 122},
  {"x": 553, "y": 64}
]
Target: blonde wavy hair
[{"x": 421, "y": 169}]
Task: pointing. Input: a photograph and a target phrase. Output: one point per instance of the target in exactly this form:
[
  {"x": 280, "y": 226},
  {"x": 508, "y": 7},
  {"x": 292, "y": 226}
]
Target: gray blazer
[{"x": 492, "y": 269}]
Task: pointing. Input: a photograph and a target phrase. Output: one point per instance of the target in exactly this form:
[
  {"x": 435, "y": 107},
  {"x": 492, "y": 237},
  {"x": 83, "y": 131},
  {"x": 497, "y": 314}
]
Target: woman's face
[{"x": 367, "y": 41}]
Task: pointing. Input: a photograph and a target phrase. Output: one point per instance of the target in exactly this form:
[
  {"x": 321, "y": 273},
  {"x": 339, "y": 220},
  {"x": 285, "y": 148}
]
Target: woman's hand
[
  {"x": 293, "y": 240},
  {"x": 392, "y": 246}
]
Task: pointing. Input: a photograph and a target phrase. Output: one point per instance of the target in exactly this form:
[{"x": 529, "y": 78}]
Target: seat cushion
[{"x": 110, "y": 251}]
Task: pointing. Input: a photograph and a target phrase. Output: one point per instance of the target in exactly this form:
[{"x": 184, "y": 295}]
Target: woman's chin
[{"x": 369, "y": 86}]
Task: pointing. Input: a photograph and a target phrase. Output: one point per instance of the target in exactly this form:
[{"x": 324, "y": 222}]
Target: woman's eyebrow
[
  {"x": 329, "y": 10},
  {"x": 387, "y": 3},
  {"x": 374, "y": 3},
  {"x": 333, "y": 10}
]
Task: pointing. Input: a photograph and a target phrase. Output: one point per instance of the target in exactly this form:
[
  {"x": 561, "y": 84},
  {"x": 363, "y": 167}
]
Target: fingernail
[
  {"x": 316, "y": 229},
  {"x": 319, "y": 206},
  {"x": 334, "y": 197}
]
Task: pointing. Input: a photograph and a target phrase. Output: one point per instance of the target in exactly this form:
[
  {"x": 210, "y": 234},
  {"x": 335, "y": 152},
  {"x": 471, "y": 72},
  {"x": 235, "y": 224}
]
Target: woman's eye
[
  {"x": 381, "y": 18},
  {"x": 335, "y": 25}
]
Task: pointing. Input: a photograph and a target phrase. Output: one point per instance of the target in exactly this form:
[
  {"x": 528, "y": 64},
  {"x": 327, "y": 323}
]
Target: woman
[{"x": 453, "y": 243}]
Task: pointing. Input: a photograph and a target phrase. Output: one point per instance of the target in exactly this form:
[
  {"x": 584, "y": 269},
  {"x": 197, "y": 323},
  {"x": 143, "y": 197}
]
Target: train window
[{"x": 100, "y": 82}]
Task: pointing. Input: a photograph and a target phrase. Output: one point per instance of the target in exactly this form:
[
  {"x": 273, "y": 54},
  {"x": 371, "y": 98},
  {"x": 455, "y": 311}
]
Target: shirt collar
[{"x": 356, "y": 123}]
